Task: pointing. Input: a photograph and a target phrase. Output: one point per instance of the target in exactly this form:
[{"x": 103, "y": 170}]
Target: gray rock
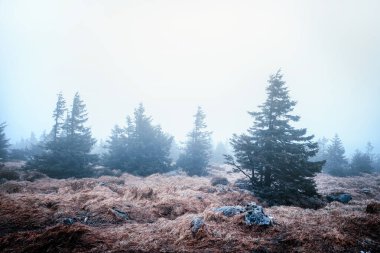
[
  {"x": 120, "y": 214},
  {"x": 102, "y": 184},
  {"x": 68, "y": 221},
  {"x": 230, "y": 211},
  {"x": 196, "y": 224},
  {"x": 255, "y": 216},
  {"x": 340, "y": 197},
  {"x": 365, "y": 191}
]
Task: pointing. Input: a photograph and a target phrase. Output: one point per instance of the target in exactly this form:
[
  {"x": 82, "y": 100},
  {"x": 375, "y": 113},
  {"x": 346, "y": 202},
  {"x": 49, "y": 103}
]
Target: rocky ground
[{"x": 177, "y": 213}]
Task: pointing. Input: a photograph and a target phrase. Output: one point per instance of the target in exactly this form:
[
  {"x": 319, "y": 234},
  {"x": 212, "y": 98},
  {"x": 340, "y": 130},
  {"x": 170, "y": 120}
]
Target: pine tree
[
  {"x": 116, "y": 149},
  {"x": 336, "y": 162},
  {"x": 58, "y": 115},
  {"x": 219, "y": 152},
  {"x": 274, "y": 155},
  {"x": 66, "y": 150},
  {"x": 4, "y": 143},
  {"x": 140, "y": 148},
  {"x": 197, "y": 152},
  {"x": 78, "y": 141},
  {"x": 322, "y": 150},
  {"x": 361, "y": 163}
]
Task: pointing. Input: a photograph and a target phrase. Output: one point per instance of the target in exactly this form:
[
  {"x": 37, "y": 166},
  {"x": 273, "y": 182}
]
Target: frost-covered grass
[{"x": 33, "y": 217}]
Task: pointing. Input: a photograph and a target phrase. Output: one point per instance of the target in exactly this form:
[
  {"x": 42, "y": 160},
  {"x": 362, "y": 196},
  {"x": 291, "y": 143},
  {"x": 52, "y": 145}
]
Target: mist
[{"x": 175, "y": 55}]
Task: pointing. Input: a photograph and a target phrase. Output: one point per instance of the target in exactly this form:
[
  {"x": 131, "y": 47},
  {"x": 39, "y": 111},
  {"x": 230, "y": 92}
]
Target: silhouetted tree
[
  {"x": 67, "y": 149},
  {"x": 322, "y": 150},
  {"x": 4, "y": 143},
  {"x": 369, "y": 152},
  {"x": 140, "y": 148},
  {"x": 58, "y": 115},
  {"x": 197, "y": 151},
  {"x": 175, "y": 151},
  {"x": 336, "y": 162},
  {"x": 219, "y": 152},
  {"x": 376, "y": 163},
  {"x": 361, "y": 163},
  {"x": 25, "y": 149},
  {"x": 116, "y": 149},
  {"x": 273, "y": 154}
]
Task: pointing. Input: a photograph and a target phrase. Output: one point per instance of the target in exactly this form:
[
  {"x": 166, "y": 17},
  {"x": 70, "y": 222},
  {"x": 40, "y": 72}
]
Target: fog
[{"x": 175, "y": 55}]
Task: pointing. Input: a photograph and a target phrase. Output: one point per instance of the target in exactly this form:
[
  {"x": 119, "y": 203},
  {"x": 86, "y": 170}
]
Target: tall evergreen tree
[
  {"x": 4, "y": 143},
  {"x": 79, "y": 141},
  {"x": 197, "y": 153},
  {"x": 274, "y": 155},
  {"x": 336, "y": 162},
  {"x": 116, "y": 149},
  {"x": 140, "y": 148},
  {"x": 67, "y": 149},
  {"x": 58, "y": 115}
]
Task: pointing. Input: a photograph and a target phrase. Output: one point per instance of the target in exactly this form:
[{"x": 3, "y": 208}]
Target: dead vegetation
[{"x": 155, "y": 214}]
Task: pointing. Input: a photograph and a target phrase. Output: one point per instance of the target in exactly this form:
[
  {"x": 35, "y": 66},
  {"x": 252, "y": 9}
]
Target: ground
[{"x": 154, "y": 214}]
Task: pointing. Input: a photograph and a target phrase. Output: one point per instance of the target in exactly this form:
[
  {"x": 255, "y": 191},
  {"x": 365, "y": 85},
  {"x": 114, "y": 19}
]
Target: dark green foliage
[
  {"x": 336, "y": 162},
  {"x": 140, "y": 148},
  {"x": 117, "y": 146},
  {"x": 361, "y": 163},
  {"x": 4, "y": 143},
  {"x": 197, "y": 152},
  {"x": 274, "y": 155},
  {"x": 66, "y": 152}
]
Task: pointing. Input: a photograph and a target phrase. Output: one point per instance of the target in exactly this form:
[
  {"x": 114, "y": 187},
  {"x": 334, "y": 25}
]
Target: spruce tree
[
  {"x": 322, "y": 150},
  {"x": 58, "y": 115},
  {"x": 361, "y": 163},
  {"x": 273, "y": 154},
  {"x": 78, "y": 140},
  {"x": 336, "y": 162},
  {"x": 66, "y": 150},
  {"x": 219, "y": 152},
  {"x": 197, "y": 153},
  {"x": 4, "y": 143},
  {"x": 116, "y": 149},
  {"x": 140, "y": 148}
]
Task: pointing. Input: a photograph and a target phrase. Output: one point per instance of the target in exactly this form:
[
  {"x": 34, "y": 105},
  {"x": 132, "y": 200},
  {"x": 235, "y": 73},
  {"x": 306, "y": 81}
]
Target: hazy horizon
[{"x": 173, "y": 56}]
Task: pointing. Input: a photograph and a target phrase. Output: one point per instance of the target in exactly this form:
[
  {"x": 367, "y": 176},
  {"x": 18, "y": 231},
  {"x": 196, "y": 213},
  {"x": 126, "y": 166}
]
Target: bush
[
  {"x": 9, "y": 174},
  {"x": 219, "y": 180}
]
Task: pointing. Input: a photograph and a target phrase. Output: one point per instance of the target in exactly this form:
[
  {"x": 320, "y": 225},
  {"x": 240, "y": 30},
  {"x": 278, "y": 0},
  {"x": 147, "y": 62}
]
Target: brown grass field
[{"x": 154, "y": 214}]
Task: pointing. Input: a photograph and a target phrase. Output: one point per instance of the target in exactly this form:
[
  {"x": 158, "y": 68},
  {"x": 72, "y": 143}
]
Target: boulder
[
  {"x": 119, "y": 214},
  {"x": 230, "y": 211},
  {"x": 253, "y": 214},
  {"x": 340, "y": 197},
  {"x": 196, "y": 224},
  {"x": 68, "y": 221},
  {"x": 366, "y": 191}
]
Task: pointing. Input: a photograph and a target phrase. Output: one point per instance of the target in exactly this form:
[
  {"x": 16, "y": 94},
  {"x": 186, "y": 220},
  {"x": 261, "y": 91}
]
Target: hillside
[{"x": 154, "y": 214}]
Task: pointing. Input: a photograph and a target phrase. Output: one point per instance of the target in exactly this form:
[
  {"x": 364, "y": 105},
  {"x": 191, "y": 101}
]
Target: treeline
[
  {"x": 138, "y": 147},
  {"x": 279, "y": 160},
  {"x": 337, "y": 164}
]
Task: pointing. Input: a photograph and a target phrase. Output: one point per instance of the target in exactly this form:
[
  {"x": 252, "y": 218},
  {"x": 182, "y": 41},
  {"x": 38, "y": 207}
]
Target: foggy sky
[{"x": 175, "y": 55}]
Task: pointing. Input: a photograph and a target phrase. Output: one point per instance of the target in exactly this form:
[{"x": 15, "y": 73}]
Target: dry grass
[{"x": 160, "y": 211}]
